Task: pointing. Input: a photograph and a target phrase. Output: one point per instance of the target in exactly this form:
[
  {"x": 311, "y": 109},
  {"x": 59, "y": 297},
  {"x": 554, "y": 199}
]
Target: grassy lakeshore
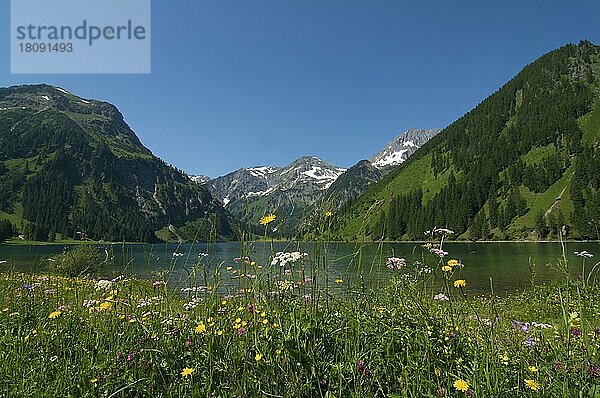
[{"x": 279, "y": 333}]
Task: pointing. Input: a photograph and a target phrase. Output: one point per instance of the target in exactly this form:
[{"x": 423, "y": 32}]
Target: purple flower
[
  {"x": 324, "y": 384},
  {"x": 188, "y": 343},
  {"x": 523, "y": 326},
  {"x": 119, "y": 355},
  {"x": 395, "y": 262},
  {"x": 250, "y": 307},
  {"x": 442, "y": 392},
  {"x": 28, "y": 287},
  {"x": 529, "y": 342},
  {"x": 363, "y": 368},
  {"x": 241, "y": 331},
  {"x": 558, "y": 367},
  {"x": 131, "y": 356},
  {"x": 441, "y": 297},
  {"x": 594, "y": 371},
  {"x": 577, "y": 332},
  {"x": 439, "y": 252}
]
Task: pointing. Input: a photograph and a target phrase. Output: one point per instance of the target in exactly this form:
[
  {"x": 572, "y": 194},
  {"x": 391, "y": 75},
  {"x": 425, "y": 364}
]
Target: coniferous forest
[{"x": 491, "y": 173}]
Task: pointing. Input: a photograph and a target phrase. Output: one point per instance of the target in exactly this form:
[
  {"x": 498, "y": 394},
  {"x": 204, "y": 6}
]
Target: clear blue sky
[{"x": 243, "y": 83}]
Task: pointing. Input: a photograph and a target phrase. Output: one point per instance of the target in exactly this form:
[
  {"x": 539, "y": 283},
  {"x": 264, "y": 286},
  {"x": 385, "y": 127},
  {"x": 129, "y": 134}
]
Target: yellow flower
[
  {"x": 532, "y": 384},
  {"x": 329, "y": 214},
  {"x": 461, "y": 385},
  {"x": 186, "y": 372},
  {"x": 200, "y": 328},
  {"x": 54, "y": 314},
  {"x": 460, "y": 283},
  {"x": 94, "y": 381},
  {"x": 267, "y": 219},
  {"x": 338, "y": 281},
  {"x": 228, "y": 268},
  {"x": 224, "y": 302},
  {"x": 263, "y": 314},
  {"x": 504, "y": 360},
  {"x": 105, "y": 305},
  {"x": 446, "y": 268},
  {"x": 532, "y": 369},
  {"x": 275, "y": 325},
  {"x": 265, "y": 321},
  {"x": 453, "y": 263},
  {"x": 219, "y": 332},
  {"x": 257, "y": 357}
]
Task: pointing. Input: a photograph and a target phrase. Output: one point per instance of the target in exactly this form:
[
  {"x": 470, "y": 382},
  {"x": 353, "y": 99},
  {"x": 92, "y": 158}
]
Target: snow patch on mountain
[
  {"x": 200, "y": 179},
  {"x": 401, "y": 147}
]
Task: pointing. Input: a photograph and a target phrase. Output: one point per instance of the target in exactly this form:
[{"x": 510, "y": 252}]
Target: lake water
[{"x": 507, "y": 264}]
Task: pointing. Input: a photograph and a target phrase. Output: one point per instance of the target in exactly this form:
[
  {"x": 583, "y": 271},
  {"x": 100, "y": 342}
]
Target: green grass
[
  {"x": 292, "y": 337},
  {"x": 590, "y": 124},
  {"x": 16, "y": 217},
  {"x": 543, "y": 201},
  {"x": 416, "y": 174},
  {"x": 536, "y": 155},
  {"x": 404, "y": 179}
]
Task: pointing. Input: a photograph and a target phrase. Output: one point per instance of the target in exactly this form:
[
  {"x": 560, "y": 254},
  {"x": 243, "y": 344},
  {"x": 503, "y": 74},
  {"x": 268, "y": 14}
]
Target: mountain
[
  {"x": 72, "y": 167},
  {"x": 523, "y": 164},
  {"x": 200, "y": 179},
  {"x": 401, "y": 147},
  {"x": 249, "y": 193},
  {"x": 352, "y": 183}
]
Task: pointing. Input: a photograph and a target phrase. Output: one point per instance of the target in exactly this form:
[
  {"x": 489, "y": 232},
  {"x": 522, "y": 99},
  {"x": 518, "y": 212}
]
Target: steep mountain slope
[
  {"x": 286, "y": 191},
  {"x": 352, "y": 183},
  {"x": 73, "y": 167},
  {"x": 401, "y": 147},
  {"x": 358, "y": 178},
  {"x": 522, "y": 164}
]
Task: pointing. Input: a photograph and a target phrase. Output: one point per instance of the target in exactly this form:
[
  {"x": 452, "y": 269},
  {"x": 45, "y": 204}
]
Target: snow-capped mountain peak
[
  {"x": 401, "y": 147},
  {"x": 301, "y": 178}
]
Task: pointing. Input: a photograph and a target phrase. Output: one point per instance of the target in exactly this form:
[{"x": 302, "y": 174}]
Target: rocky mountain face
[
  {"x": 401, "y": 147},
  {"x": 200, "y": 179},
  {"x": 352, "y": 183},
  {"x": 72, "y": 167},
  {"x": 286, "y": 191}
]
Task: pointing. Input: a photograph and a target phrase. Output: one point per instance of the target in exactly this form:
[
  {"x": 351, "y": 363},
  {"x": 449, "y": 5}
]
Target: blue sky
[{"x": 242, "y": 83}]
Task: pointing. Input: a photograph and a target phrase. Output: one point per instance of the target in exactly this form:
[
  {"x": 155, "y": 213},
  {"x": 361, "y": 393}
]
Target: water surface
[{"x": 505, "y": 266}]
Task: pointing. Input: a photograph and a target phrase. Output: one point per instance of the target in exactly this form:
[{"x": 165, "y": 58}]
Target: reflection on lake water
[{"x": 507, "y": 265}]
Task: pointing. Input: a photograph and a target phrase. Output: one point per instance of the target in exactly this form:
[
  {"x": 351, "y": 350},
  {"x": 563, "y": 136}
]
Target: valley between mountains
[{"x": 523, "y": 164}]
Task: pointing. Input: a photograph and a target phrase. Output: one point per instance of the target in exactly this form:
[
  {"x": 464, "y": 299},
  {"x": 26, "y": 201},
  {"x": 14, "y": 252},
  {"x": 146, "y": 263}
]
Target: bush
[
  {"x": 77, "y": 261},
  {"x": 6, "y": 230}
]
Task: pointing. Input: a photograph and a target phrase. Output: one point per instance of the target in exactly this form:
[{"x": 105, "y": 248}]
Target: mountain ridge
[
  {"x": 495, "y": 172},
  {"x": 75, "y": 168}
]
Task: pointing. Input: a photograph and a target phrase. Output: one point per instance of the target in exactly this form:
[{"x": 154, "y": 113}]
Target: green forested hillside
[
  {"x": 524, "y": 163},
  {"x": 72, "y": 168}
]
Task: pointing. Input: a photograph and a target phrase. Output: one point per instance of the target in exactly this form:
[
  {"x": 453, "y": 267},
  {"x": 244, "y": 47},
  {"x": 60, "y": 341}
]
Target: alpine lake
[{"x": 499, "y": 267}]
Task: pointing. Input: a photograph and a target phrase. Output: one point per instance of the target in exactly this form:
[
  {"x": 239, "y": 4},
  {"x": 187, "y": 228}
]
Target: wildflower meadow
[{"x": 283, "y": 329}]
